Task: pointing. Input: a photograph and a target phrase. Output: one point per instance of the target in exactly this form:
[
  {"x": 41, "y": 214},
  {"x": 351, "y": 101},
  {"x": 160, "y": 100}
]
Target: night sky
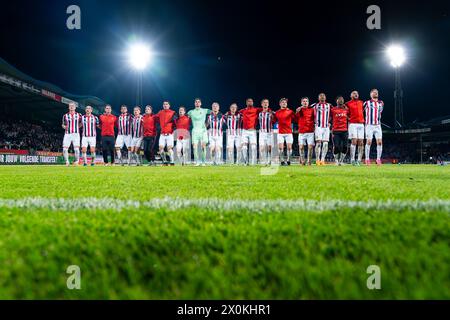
[{"x": 226, "y": 51}]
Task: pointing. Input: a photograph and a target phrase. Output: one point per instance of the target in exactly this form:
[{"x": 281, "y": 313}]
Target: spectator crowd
[{"x": 21, "y": 135}]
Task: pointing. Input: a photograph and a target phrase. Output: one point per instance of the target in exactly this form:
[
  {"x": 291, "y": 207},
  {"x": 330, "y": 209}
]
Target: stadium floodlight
[
  {"x": 139, "y": 56},
  {"x": 397, "y": 55}
]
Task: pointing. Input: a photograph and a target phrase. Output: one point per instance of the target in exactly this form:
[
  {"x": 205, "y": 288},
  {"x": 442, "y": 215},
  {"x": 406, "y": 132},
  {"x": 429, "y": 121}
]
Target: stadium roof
[{"x": 38, "y": 98}]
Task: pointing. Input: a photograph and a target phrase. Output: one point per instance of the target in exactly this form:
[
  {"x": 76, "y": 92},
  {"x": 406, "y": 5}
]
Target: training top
[
  {"x": 284, "y": 117},
  {"x": 166, "y": 121},
  {"x": 149, "y": 124},
  {"x": 355, "y": 111},
  {"x": 305, "y": 120},
  {"x": 339, "y": 118},
  {"x": 250, "y": 117},
  {"x": 107, "y": 123}
]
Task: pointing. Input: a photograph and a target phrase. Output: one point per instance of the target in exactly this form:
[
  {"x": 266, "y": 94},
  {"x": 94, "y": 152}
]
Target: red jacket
[
  {"x": 250, "y": 117},
  {"x": 284, "y": 118},
  {"x": 355, "y": 111},
  {"x": 339, "y": 118},
  {"x": 166, "y": 121},
  {"x": 149, "y": 123},
  {"x": 107, "y": 124},
  {"x": 305, "y": 120}
]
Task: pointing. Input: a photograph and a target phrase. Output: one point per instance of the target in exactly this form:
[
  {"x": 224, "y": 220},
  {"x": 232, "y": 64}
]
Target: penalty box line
[{"x": 255, "y": 206}]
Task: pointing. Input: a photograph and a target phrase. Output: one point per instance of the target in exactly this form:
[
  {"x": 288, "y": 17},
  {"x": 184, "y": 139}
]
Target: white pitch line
[{"x": 255, "y": 206}]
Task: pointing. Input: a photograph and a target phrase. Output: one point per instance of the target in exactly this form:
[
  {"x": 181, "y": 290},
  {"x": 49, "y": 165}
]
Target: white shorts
[
  {"x": 123, "y": 140},
  {"x": 215, "y": 141},
  {"x": 374, "y": 130},
  {"x": 285, "y": 137},
  {"x": 166, "y": 140},
  {"x": 322, "y": 134},
  {"x": 265, "y": 139},
  {"x": 183, "y": 145},
  {"x": 136, "y": 142},
  {"x": 356, "y": 131},
  {"x": 88, "y": 142},
  {"x": 248, "y": 137},
  {"x": 233, "y": 141},
  {"x": 306, "y": 138},
  {"x": 71, "y": 138}
]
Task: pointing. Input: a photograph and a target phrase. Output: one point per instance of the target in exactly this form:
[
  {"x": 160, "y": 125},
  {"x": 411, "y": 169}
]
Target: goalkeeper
[{"x": 199, "y": 132}]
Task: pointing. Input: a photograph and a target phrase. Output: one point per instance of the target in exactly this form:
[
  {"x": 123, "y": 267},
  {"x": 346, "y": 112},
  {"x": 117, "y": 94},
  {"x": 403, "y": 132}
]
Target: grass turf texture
[{"x": 202, "y": 252}]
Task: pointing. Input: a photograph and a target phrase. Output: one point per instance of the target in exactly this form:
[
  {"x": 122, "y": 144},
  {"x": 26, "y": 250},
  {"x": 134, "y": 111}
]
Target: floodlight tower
[
  {"x": 397, "y": 56},
  {"x": 139, "y": 57}
]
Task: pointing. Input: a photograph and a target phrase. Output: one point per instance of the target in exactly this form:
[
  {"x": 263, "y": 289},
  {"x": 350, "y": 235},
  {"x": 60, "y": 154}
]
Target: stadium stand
[{"x": 32, "y": 111}]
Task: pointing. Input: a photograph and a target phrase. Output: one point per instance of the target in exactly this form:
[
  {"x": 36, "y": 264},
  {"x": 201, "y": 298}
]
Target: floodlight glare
[
  {"x": 397, "y": 56},
  {"x": 139, "y": 56}
]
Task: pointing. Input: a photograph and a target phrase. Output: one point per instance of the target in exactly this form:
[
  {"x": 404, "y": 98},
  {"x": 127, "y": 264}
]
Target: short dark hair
[
  {"x": 123, "y": 106},
  {"x": 374, "y": 89},
  {"x": 182, "y": 107},
  {"x": 303, "y": 98},
  {"x": 164, "y": 101},
  {"x": 264, "y": 99},
  {"x": 198, "y": 99},
  {"x": 283, "y": 99},
  {"x": 338, "y": 97}
]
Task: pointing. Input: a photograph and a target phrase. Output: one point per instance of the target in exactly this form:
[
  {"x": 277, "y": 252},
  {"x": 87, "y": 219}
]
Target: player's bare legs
[
  {"x": 170, "y": 153},
  {"x": 244, "y": 149},
  {"x": 230, "y": 152},
  {"x": 368, "y": 145},
  {"x": 301, "y": 150},
  {"x": 269, "y": 155},
  {"x": 309, "y": 155},
  {"x": 281, "y": 153},
  {"x": 318, "y": 152},
  {"x": 84, "y": 152},
  {"x": 213, "y": 150},
  {"x": 289, "y": 152},
  {"x": 379, "y": 150},
  {"x": 66, "y": 156},
  {"x": 263, "y": 154},
  {"x": 181, "y": 151}
]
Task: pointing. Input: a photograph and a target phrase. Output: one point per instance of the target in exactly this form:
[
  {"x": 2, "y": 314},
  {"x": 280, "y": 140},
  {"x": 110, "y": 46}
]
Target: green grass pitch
[{"x": 225, "y": 232}]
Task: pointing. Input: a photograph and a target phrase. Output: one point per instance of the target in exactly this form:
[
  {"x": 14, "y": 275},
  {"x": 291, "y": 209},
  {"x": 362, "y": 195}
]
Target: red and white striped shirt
[
  {"x": 322, "y": 114},
  {"x": 72, "y": 121},
  {"x": 137, "y": 128},
  {"x": 90, "y": 124},
  {"x": 265, "y": 119},
  {"x": 373, "y": 110},
  {"x": 234, "y": 124},
  {"x": 215, "y": 124},
  {"x": 124, "y": 124}
]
